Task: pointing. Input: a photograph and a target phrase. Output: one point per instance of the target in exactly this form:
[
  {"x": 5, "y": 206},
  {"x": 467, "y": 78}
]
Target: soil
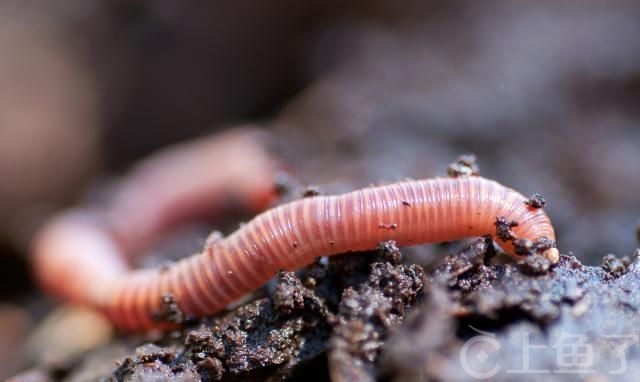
[{"x": 372, "y": 316}]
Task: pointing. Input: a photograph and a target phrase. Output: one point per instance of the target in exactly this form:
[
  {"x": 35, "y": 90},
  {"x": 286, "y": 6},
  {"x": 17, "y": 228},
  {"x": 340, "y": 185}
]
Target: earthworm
[
  {"x": 285, "y": 237},
  {"x": 192, "y": 180},
  {"x": 77, "y": 251}
]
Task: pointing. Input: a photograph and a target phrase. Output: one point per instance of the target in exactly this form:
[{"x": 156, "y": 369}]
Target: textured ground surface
[{"x": 371, "y": 316}]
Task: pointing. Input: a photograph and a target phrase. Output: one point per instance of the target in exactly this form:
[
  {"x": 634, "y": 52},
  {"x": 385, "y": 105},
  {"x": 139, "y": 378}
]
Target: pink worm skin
[
  {"x": 78, "y": 253},
  {"x": 286, "y": 237}
]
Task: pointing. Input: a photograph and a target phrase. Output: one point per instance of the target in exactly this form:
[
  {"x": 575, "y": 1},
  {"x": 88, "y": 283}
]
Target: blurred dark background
[{"x": 545, "y": 93}]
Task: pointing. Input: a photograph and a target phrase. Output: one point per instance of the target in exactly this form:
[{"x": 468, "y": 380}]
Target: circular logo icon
[{"x": 478, "y": 355}]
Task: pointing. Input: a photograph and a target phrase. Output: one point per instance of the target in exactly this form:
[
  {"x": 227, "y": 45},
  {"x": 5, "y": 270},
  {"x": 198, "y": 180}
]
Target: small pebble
[{"x": 67, "y": 332}]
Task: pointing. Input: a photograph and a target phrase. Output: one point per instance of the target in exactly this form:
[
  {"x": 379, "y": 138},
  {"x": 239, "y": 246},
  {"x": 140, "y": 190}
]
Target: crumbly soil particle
[
  {"x": 536, "y": 201},
  {"x": 465, "y": 165},
  {"x": 504, "y": 228},
  {"x": 534, "y": 265},
  {"x": 311, "y": 191},
  {"x": 614, "y": 266},
  {"x": 368, "y": 312},
  {"x": 170, "y": 312}
]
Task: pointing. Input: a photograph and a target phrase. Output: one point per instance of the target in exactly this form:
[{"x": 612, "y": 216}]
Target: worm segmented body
[{"x": 287, "y": 237}]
